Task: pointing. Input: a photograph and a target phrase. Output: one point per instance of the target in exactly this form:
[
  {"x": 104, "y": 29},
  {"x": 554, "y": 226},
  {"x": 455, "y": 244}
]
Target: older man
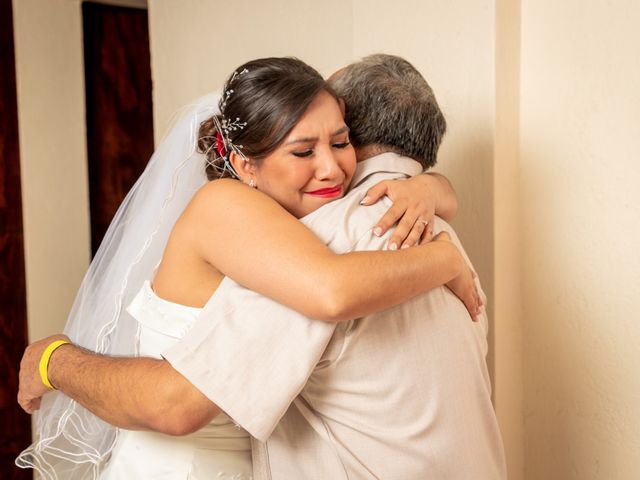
[{"x": 406, "y": 397}]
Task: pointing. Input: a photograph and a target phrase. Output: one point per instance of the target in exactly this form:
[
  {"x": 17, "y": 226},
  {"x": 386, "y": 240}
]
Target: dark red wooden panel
[
  {"x": 15, "y": 430},
  {"x": 119, "y": 106}
]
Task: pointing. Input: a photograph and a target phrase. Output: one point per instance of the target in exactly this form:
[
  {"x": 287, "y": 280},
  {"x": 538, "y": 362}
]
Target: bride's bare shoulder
[
  {"x": 224, "y": 189},
  {"x": 227, "y": 197}
]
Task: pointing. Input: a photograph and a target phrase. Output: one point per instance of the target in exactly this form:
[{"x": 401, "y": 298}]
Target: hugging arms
[{"x": 296, "y": 269}]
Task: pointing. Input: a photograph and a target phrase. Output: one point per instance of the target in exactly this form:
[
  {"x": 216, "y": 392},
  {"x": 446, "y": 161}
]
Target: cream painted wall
[
  {"x": 195, "y": 44},
  {"x": 51, "y": 119},
  {"x": 507, "y": 325},
  {"x": 580, "y": 208}
]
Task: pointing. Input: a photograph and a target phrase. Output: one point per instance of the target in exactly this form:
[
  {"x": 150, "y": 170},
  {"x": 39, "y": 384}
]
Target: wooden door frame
[{"x": 15, "y": 434}]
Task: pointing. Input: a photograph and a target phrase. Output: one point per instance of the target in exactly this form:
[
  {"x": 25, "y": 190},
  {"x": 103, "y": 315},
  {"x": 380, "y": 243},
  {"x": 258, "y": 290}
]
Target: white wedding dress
[{"x": 221, "y": 450}]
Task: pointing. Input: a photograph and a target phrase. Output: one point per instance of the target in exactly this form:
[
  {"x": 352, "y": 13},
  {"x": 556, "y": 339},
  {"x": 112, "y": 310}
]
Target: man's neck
[{"x": 365, "y": 152}]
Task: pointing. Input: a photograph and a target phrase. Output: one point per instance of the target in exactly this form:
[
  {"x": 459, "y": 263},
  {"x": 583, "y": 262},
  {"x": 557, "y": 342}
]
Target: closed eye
[
  {"x": 342, "y": 144},
  {"x": 303, "y": 154}
]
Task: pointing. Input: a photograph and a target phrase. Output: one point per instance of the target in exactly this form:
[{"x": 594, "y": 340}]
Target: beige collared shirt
[{"x": 402, "y": 394}]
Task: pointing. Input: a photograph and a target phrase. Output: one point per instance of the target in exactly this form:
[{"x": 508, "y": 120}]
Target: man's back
[{"x": 401, "y": 394}]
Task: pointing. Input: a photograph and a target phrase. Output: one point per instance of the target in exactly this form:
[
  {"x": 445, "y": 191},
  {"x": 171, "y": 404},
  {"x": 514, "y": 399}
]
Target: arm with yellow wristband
[
  {"x": 44, "y": 361},
  {"x": 134, "y": 393}
]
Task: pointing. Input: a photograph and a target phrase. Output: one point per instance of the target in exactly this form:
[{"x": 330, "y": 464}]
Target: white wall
[
  {"x": 580, "y": 206},
  {"x": 51, "y": 120},
  {"x": 507, "y": 274},
  {"x": 196, "y": 44}
]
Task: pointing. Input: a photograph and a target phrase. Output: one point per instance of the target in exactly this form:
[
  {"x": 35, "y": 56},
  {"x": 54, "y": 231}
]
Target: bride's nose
[{"x": 327, "y": 167}]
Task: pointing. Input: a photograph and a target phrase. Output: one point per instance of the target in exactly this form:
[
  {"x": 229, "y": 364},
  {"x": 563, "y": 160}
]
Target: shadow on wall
[{"x": 466, "y": 158}]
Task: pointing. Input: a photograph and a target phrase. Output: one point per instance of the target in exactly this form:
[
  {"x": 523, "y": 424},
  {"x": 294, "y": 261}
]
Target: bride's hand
[
  {"x": 415, "y": 202},
  {"x": 464, "y": 286}
]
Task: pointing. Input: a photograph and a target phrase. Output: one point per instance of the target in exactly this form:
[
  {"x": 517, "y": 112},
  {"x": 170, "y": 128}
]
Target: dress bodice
[
  {"x": 220, "y": 449},
  {"x": 161, "y": 324}
]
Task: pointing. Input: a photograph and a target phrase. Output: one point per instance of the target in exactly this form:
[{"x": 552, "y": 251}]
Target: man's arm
[{"x": 132, "y": 393}]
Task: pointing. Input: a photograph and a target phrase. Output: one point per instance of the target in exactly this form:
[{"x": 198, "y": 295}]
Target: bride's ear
[{"x": 243, "y": 166}]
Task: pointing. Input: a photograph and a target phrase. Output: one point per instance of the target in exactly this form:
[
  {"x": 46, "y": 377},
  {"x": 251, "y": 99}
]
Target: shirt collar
[{"x": 385, "y": 162}]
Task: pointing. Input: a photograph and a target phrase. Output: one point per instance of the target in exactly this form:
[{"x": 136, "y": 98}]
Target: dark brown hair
[{"x": 271, "y": 97}]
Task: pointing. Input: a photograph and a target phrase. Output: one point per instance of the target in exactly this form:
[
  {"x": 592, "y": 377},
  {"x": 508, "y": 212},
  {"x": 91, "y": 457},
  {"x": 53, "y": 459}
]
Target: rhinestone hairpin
[
  {"x": 229, "y": 91},
  {"x": 225, "y": 126},
  {"x": 228, "y": 126}
]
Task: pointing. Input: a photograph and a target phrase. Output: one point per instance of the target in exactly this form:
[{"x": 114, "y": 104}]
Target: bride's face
[{"x": 315, "y": 162}]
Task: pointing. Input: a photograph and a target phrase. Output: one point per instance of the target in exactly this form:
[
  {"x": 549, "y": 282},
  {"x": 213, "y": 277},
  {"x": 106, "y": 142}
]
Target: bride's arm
[
  {"x": 250, "y": 238},
  {"x": 415, "y": 202}
]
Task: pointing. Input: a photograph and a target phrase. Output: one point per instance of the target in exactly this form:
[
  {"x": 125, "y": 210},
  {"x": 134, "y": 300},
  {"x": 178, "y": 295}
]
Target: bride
[{"x": 279, "y": 129}]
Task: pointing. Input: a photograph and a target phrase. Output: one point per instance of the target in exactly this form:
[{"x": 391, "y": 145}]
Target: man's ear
[
  {"x": 243, "y": 166},
  {"x": 342, "y": 106}
]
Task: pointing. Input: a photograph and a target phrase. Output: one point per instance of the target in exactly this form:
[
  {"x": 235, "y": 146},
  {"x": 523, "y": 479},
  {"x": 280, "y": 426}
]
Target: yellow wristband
[{"x": 44, "y": 361}]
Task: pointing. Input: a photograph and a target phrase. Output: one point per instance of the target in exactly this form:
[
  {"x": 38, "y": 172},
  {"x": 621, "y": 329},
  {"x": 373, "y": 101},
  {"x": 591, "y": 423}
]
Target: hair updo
[{"x": 267, "y": 97}]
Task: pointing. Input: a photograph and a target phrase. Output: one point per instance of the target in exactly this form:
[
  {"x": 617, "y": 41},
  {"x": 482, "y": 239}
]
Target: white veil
[{"x": 73, "y": 443}]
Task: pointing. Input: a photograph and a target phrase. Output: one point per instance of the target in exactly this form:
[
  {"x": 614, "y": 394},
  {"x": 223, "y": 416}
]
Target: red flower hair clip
[{"x": 222, "y": 151}]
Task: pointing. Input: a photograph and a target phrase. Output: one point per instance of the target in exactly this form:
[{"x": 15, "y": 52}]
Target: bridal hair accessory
[
  {"x": 227, "y": 93},
  {"x": 234, "y": 126},
  {"x": 222, "y": 151},
  {"x": 225, "y": 128},
  {"x": 223, "y": 146}
]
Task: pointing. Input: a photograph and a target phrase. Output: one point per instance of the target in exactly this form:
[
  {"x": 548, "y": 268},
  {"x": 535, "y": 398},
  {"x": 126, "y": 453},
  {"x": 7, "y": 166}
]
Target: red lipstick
[{"x": 326, "y": 192}]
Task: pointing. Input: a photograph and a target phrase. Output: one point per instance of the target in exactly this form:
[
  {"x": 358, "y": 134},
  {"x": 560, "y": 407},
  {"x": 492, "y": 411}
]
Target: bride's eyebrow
[{"x": 341, "y": 130}]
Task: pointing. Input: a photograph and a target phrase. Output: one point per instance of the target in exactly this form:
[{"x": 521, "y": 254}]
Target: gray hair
[{"x": 389, "y": 103}]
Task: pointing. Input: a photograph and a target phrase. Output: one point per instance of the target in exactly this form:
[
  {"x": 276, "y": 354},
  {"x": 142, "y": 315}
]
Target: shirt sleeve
[{"x": 250, "y": 355}]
